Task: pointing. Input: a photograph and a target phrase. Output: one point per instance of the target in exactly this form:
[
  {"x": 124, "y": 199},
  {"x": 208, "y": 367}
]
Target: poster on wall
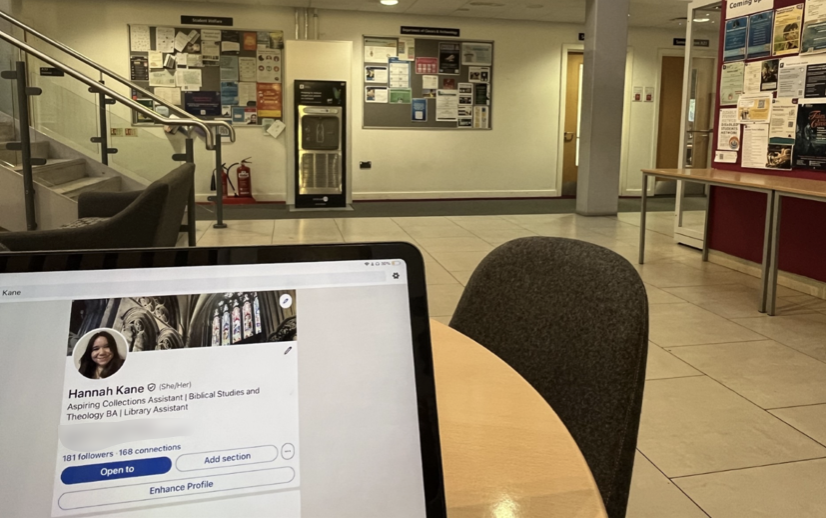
[
  {"x": 379, "y": 50},
  {"x": 754, "y": 108},
  {"x": 203, "y": 103},
  {"x": 815, "y": 80},
  {"x": 376, "y": 94},
  {"x": 139, "y": 68},
  {"x": 814, "y": 28},
  {"x": 791, "y": 78},
  {"x": 269, "y": 65},
  {"x": 783, "y": 119},
  {"x": 728, "y": 130},
  {"x": 401, "y": 96},
  {"x": 139, "y": 40},
  {"x": 447, "y": 105},
  {"x": 734, "y": 47},
  {"x": 399, "y": 73},
  {"x": 751, "y": 78},
  {"x": 755, "y": 146},
  {"x": 269, "y": 100},
  {"x": 787, "y": 25},
  {"x": 479, "y": 74},
  {"x": 810, "y": 137},
  {"x": 427, "y": 65},
  {"x": 725, "y": 157},
  {"x": 375, "y": 74},
  {"x": 407, "y": 49},
  {"x": 481, "y": 94},
  {"x": 760, "y": 35},
  {"x": 768, "y": 75},
  {"x": 419, "y": 110},
  {"x": 481, "y": 117},
  {"x": 477, "y": 54},
  {"x": 165, "y": 39},
  {"x": 449, "y": 60},
  {"x": 779, "y": 156},
  {"x": 731, "y": 83}
]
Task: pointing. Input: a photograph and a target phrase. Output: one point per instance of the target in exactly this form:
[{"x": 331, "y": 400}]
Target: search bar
[{"x": 136, "y": 287}]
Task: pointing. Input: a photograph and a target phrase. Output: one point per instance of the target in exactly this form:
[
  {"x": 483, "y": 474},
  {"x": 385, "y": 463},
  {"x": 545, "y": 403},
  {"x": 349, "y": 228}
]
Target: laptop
[{"x": 279, "y": 382}]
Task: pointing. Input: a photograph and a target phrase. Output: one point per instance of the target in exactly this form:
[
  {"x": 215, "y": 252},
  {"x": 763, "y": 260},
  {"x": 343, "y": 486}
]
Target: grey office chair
[{"x": 572, "y": 318}]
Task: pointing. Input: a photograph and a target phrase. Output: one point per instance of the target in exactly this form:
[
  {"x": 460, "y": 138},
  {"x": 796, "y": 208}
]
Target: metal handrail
[
  {"x": 210, "y": 138},
  {"x": 77, "y": 55}
]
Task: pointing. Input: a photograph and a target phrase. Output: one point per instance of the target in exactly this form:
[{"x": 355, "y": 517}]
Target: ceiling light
[
  {"x": 702, "y": 20},
  {"x": 389, "y": 2}
]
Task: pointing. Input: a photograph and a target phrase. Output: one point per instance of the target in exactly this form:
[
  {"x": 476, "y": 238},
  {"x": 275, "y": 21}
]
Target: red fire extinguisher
[
  {"x": 244, "y": 176},
  {"x": 224, "y": 181}
]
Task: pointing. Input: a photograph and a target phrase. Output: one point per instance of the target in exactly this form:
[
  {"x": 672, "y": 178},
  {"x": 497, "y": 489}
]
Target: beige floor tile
[
  {"x": 756, "y": 282},
  {"x": 459, "y": 261},
  {"x": 766, "y": 373},
  {"x": 434, "y": 231},
  {"x": 686, "y": 324},
  {"x": 676, "y": 275},
  {"x": 234, "y": 239},
  {"x": 250, "y": 226},
  {"x": 733, "y": 300},
  {"x": 658, "y": 296},
  {"x": 792, "y": 490},
  {"x": 654, "y": 496},
  {"x": 436, "y": 274},
  {"x": 395, "y": 237},
  {"x": 442, "y": 299},
  {"x": 482, "y": 222},
  {"x": 455, "y": 244},
  {"x": 663, "y": 365},
  {"x": 528, "y": 219},
  {"x": 810, "y": 420},
  {"x": 806, "y": 333},
  {"x": 695, "y": 425},
  {"x": 463, "y": 276},
  {"x": 366, "y": 225},
  {"x": 498, "y": 237},
  {"x": 421, "y": 221},
  {"x": 289, "y": 231}
]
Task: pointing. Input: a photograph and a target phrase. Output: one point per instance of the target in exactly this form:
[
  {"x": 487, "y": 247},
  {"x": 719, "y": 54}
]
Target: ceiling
[{"x": 643, "y": 13}]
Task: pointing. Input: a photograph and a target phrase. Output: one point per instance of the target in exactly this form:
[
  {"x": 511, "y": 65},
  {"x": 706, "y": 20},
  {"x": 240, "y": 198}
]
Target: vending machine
[{"x": 321, "y": 143}]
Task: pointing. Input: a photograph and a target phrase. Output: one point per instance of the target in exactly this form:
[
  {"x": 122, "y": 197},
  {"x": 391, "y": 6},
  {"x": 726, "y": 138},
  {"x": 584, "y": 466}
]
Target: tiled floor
[{"x": 734, "y": 415}]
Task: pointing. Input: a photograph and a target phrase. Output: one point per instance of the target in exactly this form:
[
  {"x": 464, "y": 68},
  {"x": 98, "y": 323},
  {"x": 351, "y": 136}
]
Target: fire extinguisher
[
  {"x": 224, "y": 180},
  {"x": 244, "y": 175}
]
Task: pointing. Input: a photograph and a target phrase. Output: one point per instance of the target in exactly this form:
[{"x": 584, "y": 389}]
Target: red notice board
[{"x": 738, "y": 217}]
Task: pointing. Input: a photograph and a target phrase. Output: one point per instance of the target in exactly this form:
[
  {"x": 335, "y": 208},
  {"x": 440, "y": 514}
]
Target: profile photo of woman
[{"x": 101, "y": 358}]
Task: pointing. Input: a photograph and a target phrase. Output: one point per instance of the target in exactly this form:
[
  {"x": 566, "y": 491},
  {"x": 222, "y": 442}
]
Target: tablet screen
[{"x": 279, "y": 390}]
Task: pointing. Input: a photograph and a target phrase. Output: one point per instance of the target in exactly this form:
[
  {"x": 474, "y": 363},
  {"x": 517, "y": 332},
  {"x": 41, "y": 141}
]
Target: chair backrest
[
  {"x": 572, "y": 319},
  {"x": 178, "y": 184}
]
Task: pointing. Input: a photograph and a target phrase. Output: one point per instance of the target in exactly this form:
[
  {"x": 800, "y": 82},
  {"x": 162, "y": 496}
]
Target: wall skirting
[
  {"x": 789, "y": 280},
  {"x": 454, "y": 195}
]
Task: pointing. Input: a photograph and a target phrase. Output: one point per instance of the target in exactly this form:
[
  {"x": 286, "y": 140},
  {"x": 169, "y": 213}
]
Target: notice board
[
  {"x": 212, "y": 73},
  {"x": 428, "y": 83}
]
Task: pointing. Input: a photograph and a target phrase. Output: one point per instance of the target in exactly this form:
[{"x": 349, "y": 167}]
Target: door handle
[{"x": 569, "y": 136}]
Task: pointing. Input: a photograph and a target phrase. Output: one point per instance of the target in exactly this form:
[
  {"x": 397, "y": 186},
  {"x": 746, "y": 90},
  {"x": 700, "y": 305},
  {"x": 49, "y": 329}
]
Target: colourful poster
[
  {"x": 250, "y": 41},
  {"x": 449, "y": 58},
  {"x": 810, "y": 137},
  {"x": 269, "y": 100},
  {"x": 735, "y": 41},
  {"x": 419, "y": 110},
  {"x": 760, "y": 35},
  {"x": 427, "y": 66},
  {"x": 787, "y": 24}
]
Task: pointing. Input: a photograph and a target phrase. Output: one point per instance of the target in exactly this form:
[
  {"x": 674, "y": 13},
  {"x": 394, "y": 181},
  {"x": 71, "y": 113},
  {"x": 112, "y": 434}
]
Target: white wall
[{"x": 518, "y": 158}]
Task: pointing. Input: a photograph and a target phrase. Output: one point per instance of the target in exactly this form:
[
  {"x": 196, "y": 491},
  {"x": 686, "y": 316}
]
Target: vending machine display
[{"x": 321, "y": 167}]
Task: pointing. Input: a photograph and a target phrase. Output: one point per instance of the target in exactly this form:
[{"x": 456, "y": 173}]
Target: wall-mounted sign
[
  {"x": 206, "y": 20},
  {"x": 736, "y": 8},
  {"x": 680, "y": 42},
  {"x": 431, "y": 31},
  {"x": 581, "y": 36},
  {"x": 49, "y": 71}
]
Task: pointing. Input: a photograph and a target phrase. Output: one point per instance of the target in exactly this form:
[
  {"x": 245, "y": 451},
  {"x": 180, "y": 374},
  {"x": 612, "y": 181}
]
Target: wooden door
[
  {"x": 570, "y": 168},
  {"x": 671, "y": 99}
]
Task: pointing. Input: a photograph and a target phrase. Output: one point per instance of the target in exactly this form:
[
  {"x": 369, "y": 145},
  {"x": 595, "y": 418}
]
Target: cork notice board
[
  {"x": 212, "y": 73},
  {"x": 403, "y": 85}
]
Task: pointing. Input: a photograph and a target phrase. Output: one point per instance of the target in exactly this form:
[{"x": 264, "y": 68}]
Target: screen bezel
[{"x": 433, "y": 481}]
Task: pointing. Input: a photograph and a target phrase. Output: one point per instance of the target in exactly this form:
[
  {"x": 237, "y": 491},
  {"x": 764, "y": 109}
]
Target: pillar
[{"x": 603, "y": 95}]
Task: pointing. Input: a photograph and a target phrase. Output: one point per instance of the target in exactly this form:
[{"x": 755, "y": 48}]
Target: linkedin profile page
[{"x": 189, "y": 405}]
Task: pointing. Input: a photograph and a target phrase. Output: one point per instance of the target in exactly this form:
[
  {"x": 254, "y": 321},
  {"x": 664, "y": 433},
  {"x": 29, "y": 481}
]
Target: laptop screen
[{"x": 279, "y": 390}]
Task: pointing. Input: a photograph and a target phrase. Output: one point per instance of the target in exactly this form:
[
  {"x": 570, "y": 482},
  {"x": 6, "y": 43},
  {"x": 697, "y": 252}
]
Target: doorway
[
  {"x": 573, "y": 112},
  {"x": 671, "y": 100}
]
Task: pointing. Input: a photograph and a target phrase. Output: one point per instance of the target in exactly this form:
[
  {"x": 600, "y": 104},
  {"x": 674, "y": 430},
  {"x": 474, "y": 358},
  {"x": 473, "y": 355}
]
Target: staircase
[{"x": 58, "y": 183}]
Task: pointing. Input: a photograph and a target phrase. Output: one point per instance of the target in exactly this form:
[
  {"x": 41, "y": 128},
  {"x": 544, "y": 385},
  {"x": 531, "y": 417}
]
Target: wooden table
[
  {"x": 504, "y": 450},
  {"x": 775, "y": 187}
]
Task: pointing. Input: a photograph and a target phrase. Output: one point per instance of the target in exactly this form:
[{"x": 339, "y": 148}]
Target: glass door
[{"x": 698, "y": 120}]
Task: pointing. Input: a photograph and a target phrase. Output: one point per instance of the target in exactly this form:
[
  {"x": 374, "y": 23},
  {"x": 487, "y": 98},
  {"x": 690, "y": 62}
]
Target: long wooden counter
[{"x": 774, "y": 186}]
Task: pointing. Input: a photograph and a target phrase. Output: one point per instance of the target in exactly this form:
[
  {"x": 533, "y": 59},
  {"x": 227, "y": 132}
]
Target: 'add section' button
[
  {"x": 226, "y": 458},
  {"x": 116, "y": 470}
]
